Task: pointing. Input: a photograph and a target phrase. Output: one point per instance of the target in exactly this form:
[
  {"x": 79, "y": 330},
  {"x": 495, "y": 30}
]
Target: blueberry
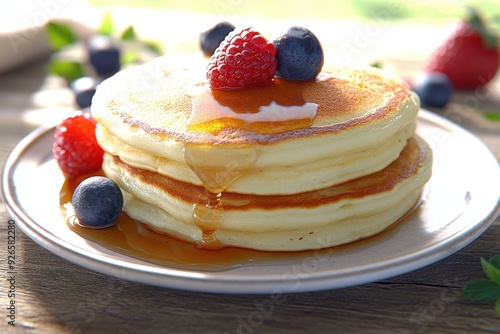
[
  {"x": 104, "y": 56},
  {"x": 434, "y": 89},
  {"x": 299, "y": 54},
  {"x": 97, "y": 201},
  {"x": 211, "y": 39},
  {"x": 84, "y": 89}
]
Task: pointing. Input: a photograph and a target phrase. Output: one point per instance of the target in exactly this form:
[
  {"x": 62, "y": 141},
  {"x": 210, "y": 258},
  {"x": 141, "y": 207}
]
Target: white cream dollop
[{"x": 207, "y": 109}]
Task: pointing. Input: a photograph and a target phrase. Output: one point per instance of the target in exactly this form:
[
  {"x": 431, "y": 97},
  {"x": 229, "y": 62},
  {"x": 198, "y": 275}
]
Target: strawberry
[
  {"x": 244, "y": 59},
  {"x": 75, "y": 146},
  {"x": 470, "y": 56}
]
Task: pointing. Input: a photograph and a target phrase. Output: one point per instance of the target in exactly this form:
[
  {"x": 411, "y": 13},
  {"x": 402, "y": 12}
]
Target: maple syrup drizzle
[
  {"x": 273, "y": 108},
  {"x": 208, "y": 218},
  {"x": 216, "y": 176}
]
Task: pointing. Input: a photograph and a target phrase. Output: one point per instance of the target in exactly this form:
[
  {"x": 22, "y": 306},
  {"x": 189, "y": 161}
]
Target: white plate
[{"x": 461, "y": 202}]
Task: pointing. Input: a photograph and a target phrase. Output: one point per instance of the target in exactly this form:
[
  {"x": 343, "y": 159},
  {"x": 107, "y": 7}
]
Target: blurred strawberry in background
[{"x": 470, "y": 56}]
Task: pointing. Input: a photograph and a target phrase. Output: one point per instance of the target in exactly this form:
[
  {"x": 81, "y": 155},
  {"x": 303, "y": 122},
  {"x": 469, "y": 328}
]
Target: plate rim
[{"x": 187, "y": 279}]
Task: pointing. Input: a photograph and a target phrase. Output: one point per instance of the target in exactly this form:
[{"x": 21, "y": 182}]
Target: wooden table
[{"x": 53, "y": 295}]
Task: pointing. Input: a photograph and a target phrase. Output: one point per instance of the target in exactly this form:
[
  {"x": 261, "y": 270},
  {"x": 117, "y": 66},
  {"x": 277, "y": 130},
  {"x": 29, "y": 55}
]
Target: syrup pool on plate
[{"x": 134, "y": 239}]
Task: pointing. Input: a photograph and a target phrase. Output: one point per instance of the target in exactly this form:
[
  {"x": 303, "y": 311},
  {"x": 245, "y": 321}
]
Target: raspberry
[
  {"x": 244, "y": 59},
  {"x": 75, "y": 146}
]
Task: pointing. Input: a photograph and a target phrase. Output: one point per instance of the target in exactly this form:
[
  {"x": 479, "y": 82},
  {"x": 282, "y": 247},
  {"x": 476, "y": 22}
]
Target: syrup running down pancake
[{"x": 272, "y": 167}]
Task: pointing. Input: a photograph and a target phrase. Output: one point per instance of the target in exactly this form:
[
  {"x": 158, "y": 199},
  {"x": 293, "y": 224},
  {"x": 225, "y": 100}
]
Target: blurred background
[
  {"x": 396, "y": 28},
  {"x": 426, "y": 10}
]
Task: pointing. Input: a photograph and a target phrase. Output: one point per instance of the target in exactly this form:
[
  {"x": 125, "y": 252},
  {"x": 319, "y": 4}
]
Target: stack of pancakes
[{"x": 286, "y": 166}]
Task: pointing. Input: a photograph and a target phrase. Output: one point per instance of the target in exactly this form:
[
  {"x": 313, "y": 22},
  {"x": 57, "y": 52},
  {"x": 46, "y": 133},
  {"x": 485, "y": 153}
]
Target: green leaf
[
  {"x": 59, "y": 35},
  {"x": 129, "y": 34},
  {"x": 482, "y": 291},
  {"x": 492, "y": 116},
  {"x": 497, "y": 307},
  {"x": 495, "y": 260},
  {"x": 107, "y": 25},
  {"x": 129, "y": 57},
  {"x": 68, "y": 70},
  {"x": 495, "y": 19},
  {"x": 476, "y": 20},
  {"x": 153, "y": 46},
  {"x": 490, "y": 270}
]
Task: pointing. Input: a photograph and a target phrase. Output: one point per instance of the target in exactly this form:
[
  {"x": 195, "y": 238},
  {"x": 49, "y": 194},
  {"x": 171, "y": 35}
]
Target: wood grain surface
[{"x": 53, "y": 295}]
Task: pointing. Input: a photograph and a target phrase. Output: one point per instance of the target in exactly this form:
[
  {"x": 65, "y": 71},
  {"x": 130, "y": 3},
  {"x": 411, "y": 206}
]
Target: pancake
[
  {"x": 278, "y": 139},
  {"x": 287, "y": 166},
  {"x": 311, "y": 220}
]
